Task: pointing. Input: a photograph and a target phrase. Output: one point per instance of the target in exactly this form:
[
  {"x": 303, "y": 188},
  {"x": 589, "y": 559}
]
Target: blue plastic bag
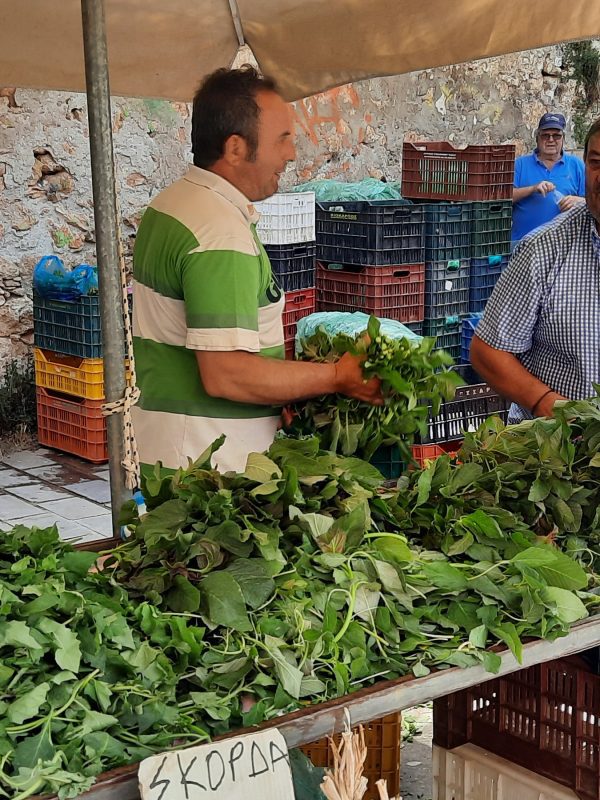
[{"x": 51, "y": 279}]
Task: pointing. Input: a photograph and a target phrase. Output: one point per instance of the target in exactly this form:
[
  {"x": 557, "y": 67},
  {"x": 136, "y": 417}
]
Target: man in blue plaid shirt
[{"x": 538, "y": 341}]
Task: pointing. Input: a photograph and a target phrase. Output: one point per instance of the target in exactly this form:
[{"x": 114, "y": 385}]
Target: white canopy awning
[{"x": 162, "y": 48}]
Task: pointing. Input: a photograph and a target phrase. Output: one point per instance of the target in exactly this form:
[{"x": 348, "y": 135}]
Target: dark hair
[
  {"x": 594, "y": 129},
  {"x": 224, "y": 105}
]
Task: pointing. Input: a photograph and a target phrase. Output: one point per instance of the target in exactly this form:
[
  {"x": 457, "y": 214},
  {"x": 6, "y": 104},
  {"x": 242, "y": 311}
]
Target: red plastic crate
[
  {"x": 73, "y": 425},
  {"x": 545, "y": 718},
  {"x": 440, "y": 171},
  {"x": 396, "y": 292},
  {"x": 422, "y": 453},
  {"x": 297, "y": 305},
  {"x": 382, "y": 738}
]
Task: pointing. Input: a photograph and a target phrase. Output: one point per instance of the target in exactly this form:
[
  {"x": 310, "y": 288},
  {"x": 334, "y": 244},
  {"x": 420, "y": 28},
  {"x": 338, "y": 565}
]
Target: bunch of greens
[
  {"x": 88, "y": 681},
  {"x": 413, "y": 375}
]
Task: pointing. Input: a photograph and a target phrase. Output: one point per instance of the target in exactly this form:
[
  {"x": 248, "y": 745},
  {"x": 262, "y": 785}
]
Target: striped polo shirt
[{"x": 202, "y": 281}]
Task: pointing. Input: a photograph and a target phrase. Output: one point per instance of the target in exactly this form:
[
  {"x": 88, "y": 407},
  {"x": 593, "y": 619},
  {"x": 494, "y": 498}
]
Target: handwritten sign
[{"x": 255, "y": 765}]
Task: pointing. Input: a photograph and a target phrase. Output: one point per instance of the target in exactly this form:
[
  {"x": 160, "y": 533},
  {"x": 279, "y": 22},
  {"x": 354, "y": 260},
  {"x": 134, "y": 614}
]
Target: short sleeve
[
  {"x": 220, "y": 292},
  {"x": 518, "y": 170},
  {"x": 512, "y": 312}
]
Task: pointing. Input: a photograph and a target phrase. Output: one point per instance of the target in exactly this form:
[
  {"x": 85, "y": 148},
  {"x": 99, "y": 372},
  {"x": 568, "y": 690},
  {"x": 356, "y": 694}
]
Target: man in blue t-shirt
[{"x": 548, "y": 180}]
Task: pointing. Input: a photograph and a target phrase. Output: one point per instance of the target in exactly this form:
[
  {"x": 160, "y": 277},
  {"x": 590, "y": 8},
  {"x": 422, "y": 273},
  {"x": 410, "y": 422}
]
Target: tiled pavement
[{"x": 45, "y": 487}]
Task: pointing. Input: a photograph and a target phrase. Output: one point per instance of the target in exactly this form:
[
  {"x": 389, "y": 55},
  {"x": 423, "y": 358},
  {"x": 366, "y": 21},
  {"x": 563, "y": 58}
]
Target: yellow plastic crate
[{"x": 81, "y": 377}]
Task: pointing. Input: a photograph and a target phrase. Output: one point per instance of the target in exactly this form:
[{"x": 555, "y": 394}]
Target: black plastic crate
[
  {"x": 492, "y": 225},
  {"x": 447, "y": 331},
  {"x": 370, "y": 232},
  {"x": 483, "y": 277},
  {"x": 74, "y": 328},
  {"x": 293, "y": 264},
  {"x": 448, "y": 229},
  {"x": 471, "y": 406},
  {"x": 447, "y": 288}
]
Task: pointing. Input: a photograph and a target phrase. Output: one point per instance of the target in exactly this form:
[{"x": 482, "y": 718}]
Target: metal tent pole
[{"x": 107, "y": 233}]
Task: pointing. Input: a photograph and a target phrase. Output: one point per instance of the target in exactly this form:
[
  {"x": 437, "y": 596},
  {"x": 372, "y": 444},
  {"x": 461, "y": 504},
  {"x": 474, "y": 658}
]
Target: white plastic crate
[
  {"x": 471, "y": 773},
  {"x": 287, "y": 218}
]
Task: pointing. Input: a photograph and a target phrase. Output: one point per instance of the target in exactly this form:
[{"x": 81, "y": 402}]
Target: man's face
[
  {"x": 550, "y": 143},
  {"x": 592, "y": 177},
  {"x": 275, "y": 147}
]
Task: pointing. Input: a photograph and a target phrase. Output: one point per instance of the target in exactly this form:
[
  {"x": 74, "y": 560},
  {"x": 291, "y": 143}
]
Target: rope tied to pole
[{"x": 131, "y": 459}]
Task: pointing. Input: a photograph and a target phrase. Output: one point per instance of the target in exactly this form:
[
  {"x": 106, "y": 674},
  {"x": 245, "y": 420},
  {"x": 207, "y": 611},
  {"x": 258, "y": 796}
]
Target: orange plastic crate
[
  {"x": 440, "y": 171},
  {"x": 73, "y": 425},
  {"x": 297, "y": 305},
  {"x": 424, "y": 453},
  {"x": 394, "y": 292},
  {"x": 382, "y": 738}
]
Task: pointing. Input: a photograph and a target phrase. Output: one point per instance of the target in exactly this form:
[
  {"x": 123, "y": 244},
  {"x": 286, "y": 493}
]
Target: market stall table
[{"x": 310, "y": 724}]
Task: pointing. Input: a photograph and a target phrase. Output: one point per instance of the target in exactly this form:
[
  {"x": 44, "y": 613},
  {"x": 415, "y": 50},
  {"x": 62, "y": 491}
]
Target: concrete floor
[
  {"x": 415, "y": 763},
  {"x": 42, "y": 487}
]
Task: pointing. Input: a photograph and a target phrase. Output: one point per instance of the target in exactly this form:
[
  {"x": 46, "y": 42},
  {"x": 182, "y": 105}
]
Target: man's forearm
[
  {"x": 522, "y": 192},
  {"x": 504, "y": 372},
  {"x": 250, "y": 378}
]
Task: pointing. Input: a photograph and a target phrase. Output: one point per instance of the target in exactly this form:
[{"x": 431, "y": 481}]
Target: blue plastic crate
[
  {"x": 447, "y": 288},
  {"x": 447, "y": 231},
  {"x": 491, "y": 232},
  {"x": 73, "y": 328},
  {"x": 371, "y": 233},
  {"x": 484, "y": 276},
  {"x": 467, "y": 330},
  {"x": 294, "y": 265}
]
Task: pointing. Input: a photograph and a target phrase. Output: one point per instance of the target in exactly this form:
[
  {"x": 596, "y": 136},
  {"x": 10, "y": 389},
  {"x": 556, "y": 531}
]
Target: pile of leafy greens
[
  {"x": 302, "y": 579},
  {"x": 415, "y": 380}
]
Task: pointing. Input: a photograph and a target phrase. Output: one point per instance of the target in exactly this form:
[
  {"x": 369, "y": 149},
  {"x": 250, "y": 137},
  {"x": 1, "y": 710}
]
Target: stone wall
[{"x": 351, "y": 132}]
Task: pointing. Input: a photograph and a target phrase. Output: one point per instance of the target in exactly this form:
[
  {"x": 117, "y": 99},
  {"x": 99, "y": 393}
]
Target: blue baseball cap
[{"x": 552, "y": 120}]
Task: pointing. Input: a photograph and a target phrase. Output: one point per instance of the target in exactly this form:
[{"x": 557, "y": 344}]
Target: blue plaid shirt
[{"x": 545, "y": 308}]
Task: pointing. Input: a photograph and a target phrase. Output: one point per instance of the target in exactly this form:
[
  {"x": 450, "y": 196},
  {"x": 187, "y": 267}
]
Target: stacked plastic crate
[
  {"x": 371, "y": 258},
  {"x": 69, "y": 376},
  {"x": 468, "y": 200},
  {"x": 287, "y": 230},
  {"x": 545, "y": 718}
]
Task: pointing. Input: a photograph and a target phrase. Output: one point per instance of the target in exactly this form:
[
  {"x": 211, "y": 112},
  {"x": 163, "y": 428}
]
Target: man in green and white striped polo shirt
[{"x": 208, "y": 335}]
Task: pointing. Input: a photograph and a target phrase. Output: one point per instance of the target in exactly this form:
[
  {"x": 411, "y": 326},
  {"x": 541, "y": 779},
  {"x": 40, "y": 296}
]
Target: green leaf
[
  {"x": 317, "y": 524},
  {"x": 444, "y": 576},
  {"x": 95, "y": 721},
  {"x": 508, "y": 634},
  {"x": 540, "y": 489},
  {"x": 287, "y": 672},
  {"x": 491, "y": 661},
  {"x": 226, "y": 605},
  {"x": 33, "y": 749},
  {"x": 556, "y": 568},
  {"x": 17, "y": 634},
  {"x": 567, "y": 606},
  {"x": 79, "y": 562},
  {"x": 28, "y": 705},
  {"x": 254, "y": 578},
  {"x": 393, "y": 548},
  {"x": 68, "y": 651},
  {"x": 478, "y": 637},
  {"x": 183, "y": 596},
  {"x": 260, "y": 468}
]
